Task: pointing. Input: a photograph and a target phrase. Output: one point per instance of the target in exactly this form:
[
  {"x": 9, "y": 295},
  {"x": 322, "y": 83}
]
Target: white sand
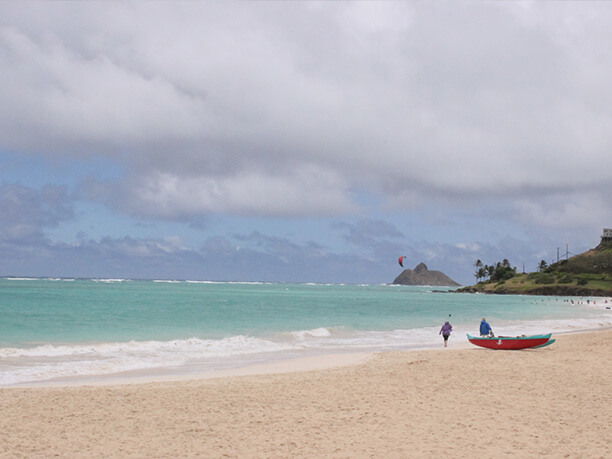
[{"x": 555, "y": 402}]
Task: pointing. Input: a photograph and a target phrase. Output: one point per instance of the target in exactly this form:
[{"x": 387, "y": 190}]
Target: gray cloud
[
  {"x": 25, "y": 213},
  {"x": 311, "y": 109},
  {"x": 303, "y": 191},
  {"x": 215, "y": 107}
]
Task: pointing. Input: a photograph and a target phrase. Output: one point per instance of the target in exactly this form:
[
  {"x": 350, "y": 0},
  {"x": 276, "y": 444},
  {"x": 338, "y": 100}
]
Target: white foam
[
  {"x": 21, "y": 278},
  {"x": 111, "y": 281},
  {"x": 46, "y": 362},
  {"x": 316, "y": 332},
  {"x": 54, "y": 361}
]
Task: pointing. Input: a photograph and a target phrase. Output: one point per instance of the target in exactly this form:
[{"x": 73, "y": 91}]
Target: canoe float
[
  {"x": 547, "y": 343},
  {"x": 511, "y": 342}
]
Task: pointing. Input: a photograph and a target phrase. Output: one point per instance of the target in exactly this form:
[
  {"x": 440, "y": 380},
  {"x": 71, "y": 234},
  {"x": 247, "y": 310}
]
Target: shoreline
[
  {"x": 420, "y": 403},
  {"x": 280, "y": 365}
]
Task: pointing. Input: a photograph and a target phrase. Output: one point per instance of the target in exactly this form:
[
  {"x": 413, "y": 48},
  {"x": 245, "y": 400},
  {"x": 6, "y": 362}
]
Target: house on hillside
[{"x": 607, "y": 235}]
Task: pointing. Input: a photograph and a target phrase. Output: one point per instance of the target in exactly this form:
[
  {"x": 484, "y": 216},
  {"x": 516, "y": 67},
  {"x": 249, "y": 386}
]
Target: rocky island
[{"x": 423, "y": 276}]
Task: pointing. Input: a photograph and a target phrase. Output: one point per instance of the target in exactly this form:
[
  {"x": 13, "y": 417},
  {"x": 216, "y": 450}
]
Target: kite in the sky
[{"x": 401, "y": 261}]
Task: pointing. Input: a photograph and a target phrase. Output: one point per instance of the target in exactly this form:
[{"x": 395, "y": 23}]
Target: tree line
[
  {"x": 497, "y": 272},
  {"x": 500, "y": 270}
]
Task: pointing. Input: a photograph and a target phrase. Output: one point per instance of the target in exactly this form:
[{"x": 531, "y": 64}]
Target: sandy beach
[{"x": 455, "y": 402}]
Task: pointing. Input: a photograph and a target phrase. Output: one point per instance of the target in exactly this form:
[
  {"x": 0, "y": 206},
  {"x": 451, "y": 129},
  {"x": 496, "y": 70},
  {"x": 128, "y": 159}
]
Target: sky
[{"x": 301, "y": 141}]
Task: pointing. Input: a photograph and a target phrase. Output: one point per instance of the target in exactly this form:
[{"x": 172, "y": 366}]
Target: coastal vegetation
[{"x": 587, "y": 274}]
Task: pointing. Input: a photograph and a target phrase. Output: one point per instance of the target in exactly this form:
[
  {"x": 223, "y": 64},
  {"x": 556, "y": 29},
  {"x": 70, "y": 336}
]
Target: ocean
[{"x": 71, "y": 330}]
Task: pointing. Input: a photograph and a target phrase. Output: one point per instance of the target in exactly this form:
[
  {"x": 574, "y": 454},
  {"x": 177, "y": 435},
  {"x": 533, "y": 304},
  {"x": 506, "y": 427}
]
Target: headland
[{"x": 588, "y": 274}]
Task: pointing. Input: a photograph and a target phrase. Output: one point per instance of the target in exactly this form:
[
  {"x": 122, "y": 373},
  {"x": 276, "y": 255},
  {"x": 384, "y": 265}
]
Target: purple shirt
[{"x": 446, "y": 329}]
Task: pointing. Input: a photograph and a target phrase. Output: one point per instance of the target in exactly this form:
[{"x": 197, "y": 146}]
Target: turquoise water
[{"x": 57, "y": 328}]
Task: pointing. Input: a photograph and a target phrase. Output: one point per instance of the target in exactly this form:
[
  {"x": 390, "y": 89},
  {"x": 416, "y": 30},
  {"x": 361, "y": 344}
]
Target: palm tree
[{"x": 479, "y": 274}]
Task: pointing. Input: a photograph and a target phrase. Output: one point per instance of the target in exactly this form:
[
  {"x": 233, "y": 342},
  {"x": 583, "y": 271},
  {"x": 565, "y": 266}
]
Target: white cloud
[
  {"x": 569, "y": 211},
  {"x": 470, "y": 247},
  {"x": 304, "y": 191},
  {"x": 282, "y": 108}
]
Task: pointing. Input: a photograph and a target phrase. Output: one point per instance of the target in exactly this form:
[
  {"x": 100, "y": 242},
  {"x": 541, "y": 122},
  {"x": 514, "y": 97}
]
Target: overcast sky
[{"x": 301, "y": 141}]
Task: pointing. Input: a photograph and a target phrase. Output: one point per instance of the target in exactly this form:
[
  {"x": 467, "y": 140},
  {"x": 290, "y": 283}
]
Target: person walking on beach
[
  {"x": 485, "y": 328},
  {"x": 445, "y": 331}
]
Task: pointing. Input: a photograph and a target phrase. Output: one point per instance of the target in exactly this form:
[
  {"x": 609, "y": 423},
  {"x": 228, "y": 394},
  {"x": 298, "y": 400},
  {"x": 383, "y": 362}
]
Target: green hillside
[
  {"x": 595, "y": 261},
  {"x": 587, "y": 274}
]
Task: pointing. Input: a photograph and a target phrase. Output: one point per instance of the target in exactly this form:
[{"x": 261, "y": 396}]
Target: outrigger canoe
[{"x": 511, "y": 342}]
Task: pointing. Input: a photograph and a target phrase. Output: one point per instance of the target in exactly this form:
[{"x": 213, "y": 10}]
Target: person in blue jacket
[{"x": 485, "y": 328}]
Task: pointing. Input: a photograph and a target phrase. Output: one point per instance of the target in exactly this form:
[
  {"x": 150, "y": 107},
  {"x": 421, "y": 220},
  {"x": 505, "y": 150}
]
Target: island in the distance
[{"x": 423, "y": 276}]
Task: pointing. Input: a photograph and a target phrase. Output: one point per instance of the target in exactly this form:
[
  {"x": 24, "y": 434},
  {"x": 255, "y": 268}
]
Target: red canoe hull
[{"x": 508, "y": 343}]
